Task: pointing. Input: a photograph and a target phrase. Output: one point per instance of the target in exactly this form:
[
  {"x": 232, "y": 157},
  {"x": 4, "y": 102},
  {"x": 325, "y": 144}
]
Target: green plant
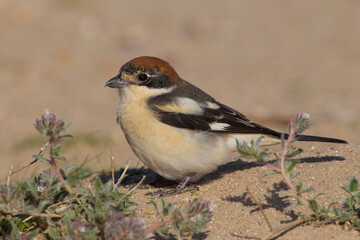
[
  {"x": 65, "y": 204},
  {"x": 349, "y": 210},
  {"x": 184, "y": 222}
]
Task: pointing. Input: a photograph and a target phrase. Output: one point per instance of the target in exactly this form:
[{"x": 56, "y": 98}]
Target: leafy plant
[
  {"x": 65, "y": 204},
  {"x": 183, "y": 222},
  {"x": 349, "y": 210}
]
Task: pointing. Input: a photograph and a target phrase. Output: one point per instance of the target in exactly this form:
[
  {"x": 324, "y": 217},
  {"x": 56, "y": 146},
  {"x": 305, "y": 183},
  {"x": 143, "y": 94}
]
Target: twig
[
  {"x": 34, "y": 161},
  {"x": 57, "y": 204},
  {"x": 137, "y": 185},
  {"x": 35, "y": 214},
  {"x": 9, "y": 176},
  {"x": 27, "y": 219},
  {"x": 280, "y": 230},
  {"x": 259, "y": 206},
  {"x": 112, "y": 166},
  {"x": 123, "y": 175}
]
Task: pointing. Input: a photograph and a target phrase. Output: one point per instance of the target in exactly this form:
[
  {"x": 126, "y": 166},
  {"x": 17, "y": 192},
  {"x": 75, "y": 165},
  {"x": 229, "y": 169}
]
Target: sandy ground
[
  {"x": 237, "y": 216},
  {"x": 268, "y": 60}
]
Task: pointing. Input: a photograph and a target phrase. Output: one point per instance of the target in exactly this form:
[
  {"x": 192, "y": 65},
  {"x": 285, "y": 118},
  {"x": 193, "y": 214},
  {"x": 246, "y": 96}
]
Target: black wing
[
  {"x": 230, "y": 120},
  {"x": 233, "y": 121}
]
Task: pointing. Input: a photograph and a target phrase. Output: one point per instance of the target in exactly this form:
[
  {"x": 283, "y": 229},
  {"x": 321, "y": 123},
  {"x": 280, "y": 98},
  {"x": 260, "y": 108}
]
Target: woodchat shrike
[{"x": 175, "y": 128}]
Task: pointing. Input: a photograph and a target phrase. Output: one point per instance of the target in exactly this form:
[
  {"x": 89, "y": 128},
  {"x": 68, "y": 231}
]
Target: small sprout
[
  {"x": 353, "y": 185},
  {"x": 252, "y": 149},
  {"x": 313, "y": 205}
]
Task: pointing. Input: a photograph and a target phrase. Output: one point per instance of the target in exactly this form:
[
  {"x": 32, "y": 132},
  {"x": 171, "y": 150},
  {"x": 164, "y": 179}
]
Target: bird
[{"x": 178, "y": 130}]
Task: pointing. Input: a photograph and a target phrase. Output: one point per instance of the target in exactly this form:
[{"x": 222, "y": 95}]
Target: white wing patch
[
  {"x": 218, "y": 126},
  {"x": 189, "y": 106},
  {"x": 183, "y": 105},
  {"x": 212, "y": 105}
]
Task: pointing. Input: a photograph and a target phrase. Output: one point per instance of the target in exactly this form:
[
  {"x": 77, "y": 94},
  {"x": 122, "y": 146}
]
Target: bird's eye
[{"x": 143, "y": 77}]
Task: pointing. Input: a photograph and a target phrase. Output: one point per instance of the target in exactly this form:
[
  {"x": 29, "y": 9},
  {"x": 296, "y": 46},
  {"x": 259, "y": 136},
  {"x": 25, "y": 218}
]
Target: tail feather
[{"x": 308, "y": 138}]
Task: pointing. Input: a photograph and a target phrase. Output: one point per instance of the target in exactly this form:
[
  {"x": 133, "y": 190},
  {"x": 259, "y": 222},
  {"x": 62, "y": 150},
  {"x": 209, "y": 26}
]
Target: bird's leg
[{"x": 181, "y": 187}]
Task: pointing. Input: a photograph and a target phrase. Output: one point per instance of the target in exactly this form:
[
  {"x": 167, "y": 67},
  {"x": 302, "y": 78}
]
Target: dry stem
[
  {"x": 137, "y": 185},
  {"x": 34, "y": 161},
  {"x": 112, "y": 166},
  {"x": 261, "y": 209},
  {"x": 280, "y": 230},
  {"x": 9, "y": 176},
  {"x": 36, "y": 214},
  {"x": 123, "y": 175}
]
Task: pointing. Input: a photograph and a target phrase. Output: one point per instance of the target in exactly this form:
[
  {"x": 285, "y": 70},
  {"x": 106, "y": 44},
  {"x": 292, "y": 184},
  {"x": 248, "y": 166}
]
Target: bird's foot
[
  {"x": 172, "y": 192},
  {"x": 179, "y": 189}
]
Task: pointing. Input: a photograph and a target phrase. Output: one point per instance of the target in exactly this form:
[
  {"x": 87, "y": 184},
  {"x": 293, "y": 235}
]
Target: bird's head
[{"x": 146, "y": 71}]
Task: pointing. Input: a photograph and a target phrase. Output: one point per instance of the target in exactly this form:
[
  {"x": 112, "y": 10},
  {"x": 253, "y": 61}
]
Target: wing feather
[{"x": 191, "y": 108}]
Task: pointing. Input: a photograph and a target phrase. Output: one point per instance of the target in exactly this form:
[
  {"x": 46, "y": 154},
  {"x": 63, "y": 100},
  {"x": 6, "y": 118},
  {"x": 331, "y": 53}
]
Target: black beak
[{"x": 116, "y": 82}]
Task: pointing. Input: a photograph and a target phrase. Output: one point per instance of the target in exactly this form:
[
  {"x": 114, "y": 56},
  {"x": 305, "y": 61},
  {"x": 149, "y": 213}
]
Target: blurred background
[{"x": 268, "y": 60}]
